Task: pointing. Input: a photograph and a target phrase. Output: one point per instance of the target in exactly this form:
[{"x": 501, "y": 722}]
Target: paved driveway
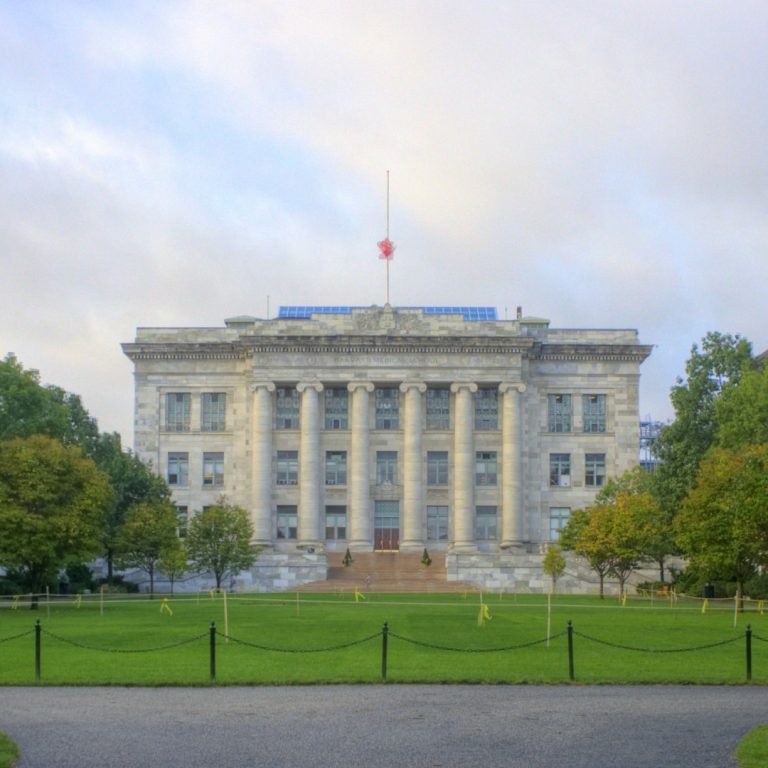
[{"x": 424, "y": 726}]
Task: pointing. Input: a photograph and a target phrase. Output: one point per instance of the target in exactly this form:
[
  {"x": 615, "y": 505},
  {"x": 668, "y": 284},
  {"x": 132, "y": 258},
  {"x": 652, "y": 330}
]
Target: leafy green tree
[
  {"x": 52, "y": 506},
  {"x": 147, "y": 535},
  {"x": 133, "y": 482},
  {"x": 742, "y": 411},
  {"x": 219, "y": 540},
  {"x": 723, "y": 525},
  {"x": 681, "y": 446},
  {"x": 586, "y": 534},
  {"x": 554, "y": 564},
  {"x": 173, "y": 561}
]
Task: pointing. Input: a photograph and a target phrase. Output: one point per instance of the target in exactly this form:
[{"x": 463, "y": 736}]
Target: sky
[{"x": 602, "y": 164}]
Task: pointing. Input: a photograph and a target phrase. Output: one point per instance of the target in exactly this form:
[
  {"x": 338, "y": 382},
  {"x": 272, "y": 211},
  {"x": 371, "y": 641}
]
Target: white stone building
[{"x": 386, "y": 428}]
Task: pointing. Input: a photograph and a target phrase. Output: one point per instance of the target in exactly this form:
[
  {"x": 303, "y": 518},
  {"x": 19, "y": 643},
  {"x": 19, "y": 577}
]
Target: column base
[
  {"x": 514, "y": 547},
  {"x": 462, "y": 548}
]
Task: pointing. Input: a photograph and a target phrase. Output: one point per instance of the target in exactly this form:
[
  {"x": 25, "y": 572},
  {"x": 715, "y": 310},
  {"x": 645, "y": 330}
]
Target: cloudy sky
[{"x": 602, "y": 164}]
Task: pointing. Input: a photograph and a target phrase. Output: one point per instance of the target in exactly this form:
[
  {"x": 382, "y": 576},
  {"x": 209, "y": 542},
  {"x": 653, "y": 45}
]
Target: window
[
  {"x": 214, "y": 406},
  {"x": 594, "y": 470},
  {"x": 594, "y": 413},
  {"x": 177, "y": 411},
  {"x": 485, "y": 523},
  {"x": 560, "y": 469},
  {"x": 178, "y": 469},
  {"x": 335, "y": 523},
  {"x": 182, "y": 516},
  {"x": 387, "y": 408},
  {"x": 558, "y": 517},
  {"x": 485, "y": 468},
  {"x": 335, "y": 467},
  {"x": 437, "y": 467},
  {"x": 487, "y": 409},
  {"x": 287, "y": 521},
  {"x": 559, "y": 413},
  {"x": 287, "y": 468},
  {"x": 438, "y": 409},
  {"x": 386, "y": 467},
  {"x": 336, "y": 408},
  {"x": 287, "y": 408},
  {"x": 213, "y": 469},
  {"x": 437, "y": 523}
]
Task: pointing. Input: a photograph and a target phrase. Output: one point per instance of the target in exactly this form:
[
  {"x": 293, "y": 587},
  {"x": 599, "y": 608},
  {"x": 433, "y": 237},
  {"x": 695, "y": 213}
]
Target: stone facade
[{"x": 388, "y": 428}]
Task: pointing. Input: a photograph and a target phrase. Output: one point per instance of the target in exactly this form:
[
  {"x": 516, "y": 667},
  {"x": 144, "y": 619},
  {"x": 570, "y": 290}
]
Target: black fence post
[
  {"x": 37, "y": 649},
  {"x": 749, "y": 652},
  {"x": 384, "y": 633},
  {"x": 213, "y": 650},
  {"x": 570, "y": 650}
]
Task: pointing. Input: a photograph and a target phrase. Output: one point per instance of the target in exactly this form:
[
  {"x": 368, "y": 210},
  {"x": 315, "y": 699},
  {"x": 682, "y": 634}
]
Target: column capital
[
  {"x": 366, "y": 385},
  {"x": 458, "y": 385},
  {"x": 419, "y": 385},
  {"x": 316, "y": 385},
  {"x": 507, "y": 386},
  {"x": 268, "y": 385}
]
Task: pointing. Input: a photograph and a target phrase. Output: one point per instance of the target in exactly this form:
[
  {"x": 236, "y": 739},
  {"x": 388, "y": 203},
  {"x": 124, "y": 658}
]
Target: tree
[
  {"x": 147, "y": 535},
  {"x": 742, "y": 411},
  {"x": 173, "y": 561},
  {"x": 52, "y": 506},
  {"x": 219, "y": 540},
  {"x": 682, "y": 445},
  {"x": 723, "y": 525},
  {"x": 133, "y": 482},
  {"x": 586, "y": 534},
  {"x": 554, "y": 564}
]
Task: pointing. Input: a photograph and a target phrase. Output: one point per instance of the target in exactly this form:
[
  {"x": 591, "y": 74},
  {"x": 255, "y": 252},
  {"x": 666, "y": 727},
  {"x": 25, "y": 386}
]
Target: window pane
[
  {"x": 437, "y": 523},
  {"x": 594, "y": 413},
  {"x": 559, "y": 413},
  {"x": 182, "y": 516},
  {"x": 287, "y": 468},
  {"x": 178, "y": 469},
  {"x": 437, "y": 468},
  {"x": 487, "y": 409},
  {"x": 335, "y": 467},
  {"x": 386, "y": 467},
  {"x": 335, "y": 522},
  {"x": 287, "y": 521},
  {"x": 560, "y": 469},
  {"x": 485, "y": 468},
  {"x": 213, "y": 469},
  {"x": 287, "y": 408},
  {"x": 438, "y": 409},
  {"x": 177, "y": 406},
  {"x": 213, "y": 416},
  {"x": 387, "y": 408},
  {"x": 558, "y": 517},
  {"x": 485, "y": 523},
  {"x": 336, "y": 408},
  {"x": 594, "y": 470}
]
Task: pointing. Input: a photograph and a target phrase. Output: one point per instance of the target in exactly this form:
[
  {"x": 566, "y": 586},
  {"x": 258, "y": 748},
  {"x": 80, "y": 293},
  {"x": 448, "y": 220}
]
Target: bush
[
  {"x": 119, "y": 586},
  {"x": 80, "y": 578},
  {"x": 757, "y": 587}
]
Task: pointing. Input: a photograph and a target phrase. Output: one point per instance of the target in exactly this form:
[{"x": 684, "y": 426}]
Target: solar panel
[{"x": 472, "y": 314}]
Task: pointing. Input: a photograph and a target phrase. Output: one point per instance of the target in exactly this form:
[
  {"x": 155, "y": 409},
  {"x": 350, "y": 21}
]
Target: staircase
[{"x": 385, "y": 572}]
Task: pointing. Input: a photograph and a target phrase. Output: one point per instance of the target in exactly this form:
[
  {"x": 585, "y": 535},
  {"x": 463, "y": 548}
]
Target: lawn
[{"x": 283, "y": 639}]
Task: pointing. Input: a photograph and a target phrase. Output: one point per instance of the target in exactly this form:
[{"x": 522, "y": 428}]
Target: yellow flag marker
[
  {"x": 15, "y": 603},
  {"x": 165, "y": 606},
  {"x": 624, "y": 600},
  {"x": 78, "y": 600},
  {"x": 704, "y": 605},
  {"x": 358, "y": 595},
  {"x": 761, "y": 606},
  {"x": 484, "y": 615}
]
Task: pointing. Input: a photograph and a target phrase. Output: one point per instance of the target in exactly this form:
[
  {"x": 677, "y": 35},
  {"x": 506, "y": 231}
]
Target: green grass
[
  {"x": 752, "y": 751},
  {"x": 323, "y": 621},
  {"x": 9, "y": 752}
]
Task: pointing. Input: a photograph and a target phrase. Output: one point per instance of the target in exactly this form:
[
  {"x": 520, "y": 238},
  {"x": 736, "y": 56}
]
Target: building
[{"x": 389, "y": 428}]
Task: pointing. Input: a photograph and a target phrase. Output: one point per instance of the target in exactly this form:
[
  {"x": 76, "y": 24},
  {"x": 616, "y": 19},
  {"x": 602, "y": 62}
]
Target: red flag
[{"x": 387, "y": 249}]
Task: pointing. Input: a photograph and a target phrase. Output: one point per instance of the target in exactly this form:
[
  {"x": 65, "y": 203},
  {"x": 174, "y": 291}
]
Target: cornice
[{"x": 634, "y": 353}]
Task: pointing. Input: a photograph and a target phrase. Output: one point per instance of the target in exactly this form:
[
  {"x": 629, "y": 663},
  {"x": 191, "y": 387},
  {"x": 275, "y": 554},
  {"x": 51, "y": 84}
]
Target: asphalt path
[{"x": 392, "y": 726}]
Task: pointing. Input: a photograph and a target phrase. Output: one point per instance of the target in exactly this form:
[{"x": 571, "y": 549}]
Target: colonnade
[{"x": 359, "y": 512}]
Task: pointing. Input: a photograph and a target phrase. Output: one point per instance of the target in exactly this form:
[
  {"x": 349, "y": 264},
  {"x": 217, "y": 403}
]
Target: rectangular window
[
  {"x": 336, "y": 408},
  {"x": 594, "y": 470},
  {"x": 594, "y": 413},
  {"x": 387, "y": 408},
  {"x": 560, "y": 469},
  {"x": 437, "y": 523},
  {"x": 485, "y": 468},
  {"x": 438, "y": 409},
  {"x": 287, "y": 409},
  {"x": 558, "y": 517},
  {"x": 485, "y": 523},
  {"x": 559, "y": 413},
  {"x": 287, "y": 521},
  {"x": 287, "y": 468},
  {"x": 386, "y": 467},
  {"x": 487, "y": 409},
  {"x": 213, "y": 415},
  {"x": 335, "y": 523},
  {"x": 177, "y": 405},
  {"x": 178, "y": 469},
  {"x": 182, "y": 517},
  {"x": 335, "y": 467},
  {"x": 437, "y": 467},
  {"x": 213, "y": 469}
]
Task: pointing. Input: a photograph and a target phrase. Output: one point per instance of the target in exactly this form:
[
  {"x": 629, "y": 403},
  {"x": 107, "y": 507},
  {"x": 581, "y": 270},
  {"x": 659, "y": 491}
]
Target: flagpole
[{"x": 388, "y": 260}]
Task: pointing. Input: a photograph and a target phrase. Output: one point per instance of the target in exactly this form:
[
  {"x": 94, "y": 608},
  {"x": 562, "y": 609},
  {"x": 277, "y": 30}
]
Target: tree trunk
[
  {"x": 151, "y": 572},
  {"x": 661, "y": 569},
  {"x": 110, "y": 567},
  {"x": 602, "y": 580}
]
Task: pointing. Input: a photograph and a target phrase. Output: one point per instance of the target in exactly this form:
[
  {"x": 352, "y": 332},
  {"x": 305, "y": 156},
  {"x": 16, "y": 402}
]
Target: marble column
[
  {"x": 358, "y": 478},
  {"x": 413, "y": 471},
  {"x": 261, "y": 463},
  {"x": 310, "y": 466},
  {"x": 463, "y": 468},
  {"x": 512, "y": 501}
]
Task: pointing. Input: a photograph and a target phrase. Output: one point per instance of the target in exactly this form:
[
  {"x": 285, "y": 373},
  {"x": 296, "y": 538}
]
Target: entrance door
[{"x": 386, "y": 526}]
